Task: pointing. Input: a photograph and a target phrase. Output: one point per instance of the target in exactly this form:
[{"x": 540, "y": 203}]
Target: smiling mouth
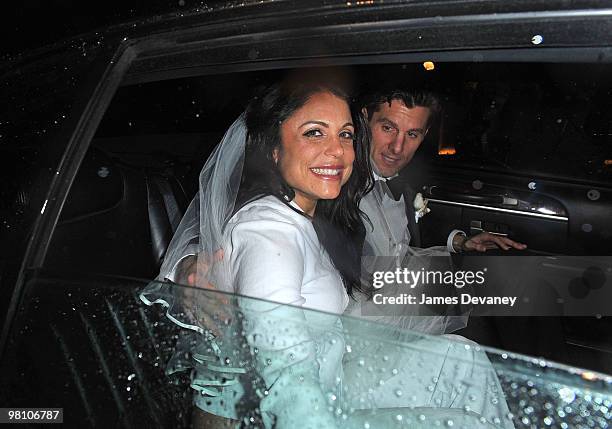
[{"x": 328, "y": 173}]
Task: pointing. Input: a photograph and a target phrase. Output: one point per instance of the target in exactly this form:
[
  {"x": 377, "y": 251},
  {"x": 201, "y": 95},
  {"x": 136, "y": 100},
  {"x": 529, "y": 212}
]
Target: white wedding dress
[{"x": 325, "y": 371}]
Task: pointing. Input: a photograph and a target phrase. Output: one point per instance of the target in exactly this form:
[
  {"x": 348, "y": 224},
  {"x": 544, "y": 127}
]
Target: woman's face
[{"x": 316, "y": 154}]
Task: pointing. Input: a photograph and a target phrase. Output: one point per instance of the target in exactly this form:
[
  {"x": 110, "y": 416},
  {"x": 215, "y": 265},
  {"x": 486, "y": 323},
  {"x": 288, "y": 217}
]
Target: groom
[{"x": 399, "y": 120}]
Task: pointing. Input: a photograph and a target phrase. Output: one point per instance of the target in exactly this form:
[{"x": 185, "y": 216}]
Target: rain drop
[
  {"x": 537, "y": 39},
  {"x": 567, "y": 395}
]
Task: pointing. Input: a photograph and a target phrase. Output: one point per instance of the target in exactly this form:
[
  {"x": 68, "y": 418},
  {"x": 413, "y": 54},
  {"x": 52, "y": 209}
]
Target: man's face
[{"x": 397, "y": 133}]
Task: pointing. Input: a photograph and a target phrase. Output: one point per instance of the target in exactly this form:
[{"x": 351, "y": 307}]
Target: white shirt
[
  {"x": 274, "y": 254},
  {"x": 389, "y": 231}
]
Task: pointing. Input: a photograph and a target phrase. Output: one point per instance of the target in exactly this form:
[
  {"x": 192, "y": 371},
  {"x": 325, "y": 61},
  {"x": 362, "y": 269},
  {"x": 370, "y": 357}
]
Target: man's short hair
[{"x": 411, "y": 98}]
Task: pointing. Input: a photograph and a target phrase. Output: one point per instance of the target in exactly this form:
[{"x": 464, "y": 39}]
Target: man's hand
[
  {"x": 193, "y": 271},
  {"x": 486, "y": 241}
]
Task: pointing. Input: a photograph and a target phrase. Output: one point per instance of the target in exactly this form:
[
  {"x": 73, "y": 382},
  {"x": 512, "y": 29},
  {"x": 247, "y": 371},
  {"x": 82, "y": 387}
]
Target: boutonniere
[{"x": 420, "y": 207}]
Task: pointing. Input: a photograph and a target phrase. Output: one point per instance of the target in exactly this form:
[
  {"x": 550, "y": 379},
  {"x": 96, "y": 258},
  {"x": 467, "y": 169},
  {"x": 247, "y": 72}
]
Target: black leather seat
[{"x": 117, "y": 219}]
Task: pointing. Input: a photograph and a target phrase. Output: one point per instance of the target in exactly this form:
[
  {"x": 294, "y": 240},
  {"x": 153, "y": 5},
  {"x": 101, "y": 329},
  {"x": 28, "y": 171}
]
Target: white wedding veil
[{"x": 197, "y": 241}]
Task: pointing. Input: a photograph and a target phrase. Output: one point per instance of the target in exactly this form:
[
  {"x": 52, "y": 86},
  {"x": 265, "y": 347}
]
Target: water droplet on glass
[
  {"x": 450, "y": 423},
  {"x": 398, "y": 393},
  {"x": 537, "y": 39},
  {"x": 131, "y": 377},
  {"x": 567, "y": 395}
]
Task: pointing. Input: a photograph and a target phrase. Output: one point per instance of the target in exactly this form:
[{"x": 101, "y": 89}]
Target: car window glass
[{"x": 105, "y": 353}]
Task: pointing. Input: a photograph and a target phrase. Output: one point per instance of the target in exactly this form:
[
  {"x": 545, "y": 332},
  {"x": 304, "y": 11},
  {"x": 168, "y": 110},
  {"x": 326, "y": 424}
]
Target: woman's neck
[{"x": 307, "y": 205}]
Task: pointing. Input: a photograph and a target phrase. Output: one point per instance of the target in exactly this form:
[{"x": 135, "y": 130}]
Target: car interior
[{"x": 521, "y": 149}]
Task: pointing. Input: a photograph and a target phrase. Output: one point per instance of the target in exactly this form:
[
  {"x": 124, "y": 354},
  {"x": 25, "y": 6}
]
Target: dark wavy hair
[
  {"x": 420, "y": 97},
  {"x": 337, "y": 222}
]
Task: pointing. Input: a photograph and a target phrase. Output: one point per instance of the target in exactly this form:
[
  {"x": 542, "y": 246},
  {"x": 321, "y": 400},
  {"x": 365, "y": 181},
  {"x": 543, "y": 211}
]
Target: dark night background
[{"x": 34, "y": 23}]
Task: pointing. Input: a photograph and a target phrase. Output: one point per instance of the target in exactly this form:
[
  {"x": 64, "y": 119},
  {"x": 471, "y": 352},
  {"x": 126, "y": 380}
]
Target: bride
[{"x": 276, "y": 208}]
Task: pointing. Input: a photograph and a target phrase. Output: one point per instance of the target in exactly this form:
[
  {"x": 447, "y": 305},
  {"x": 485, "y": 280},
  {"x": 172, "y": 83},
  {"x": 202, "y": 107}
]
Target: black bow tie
[{"x": 396, "y": 187}]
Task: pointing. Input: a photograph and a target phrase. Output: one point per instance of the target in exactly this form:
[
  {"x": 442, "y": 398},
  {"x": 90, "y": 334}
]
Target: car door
[{"x": 522, "y": 151}]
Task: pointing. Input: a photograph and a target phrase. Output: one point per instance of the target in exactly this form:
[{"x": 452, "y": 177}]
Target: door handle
[
  {"x": 477, "y": 226},
  {"x": 495, "y": 199}
]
